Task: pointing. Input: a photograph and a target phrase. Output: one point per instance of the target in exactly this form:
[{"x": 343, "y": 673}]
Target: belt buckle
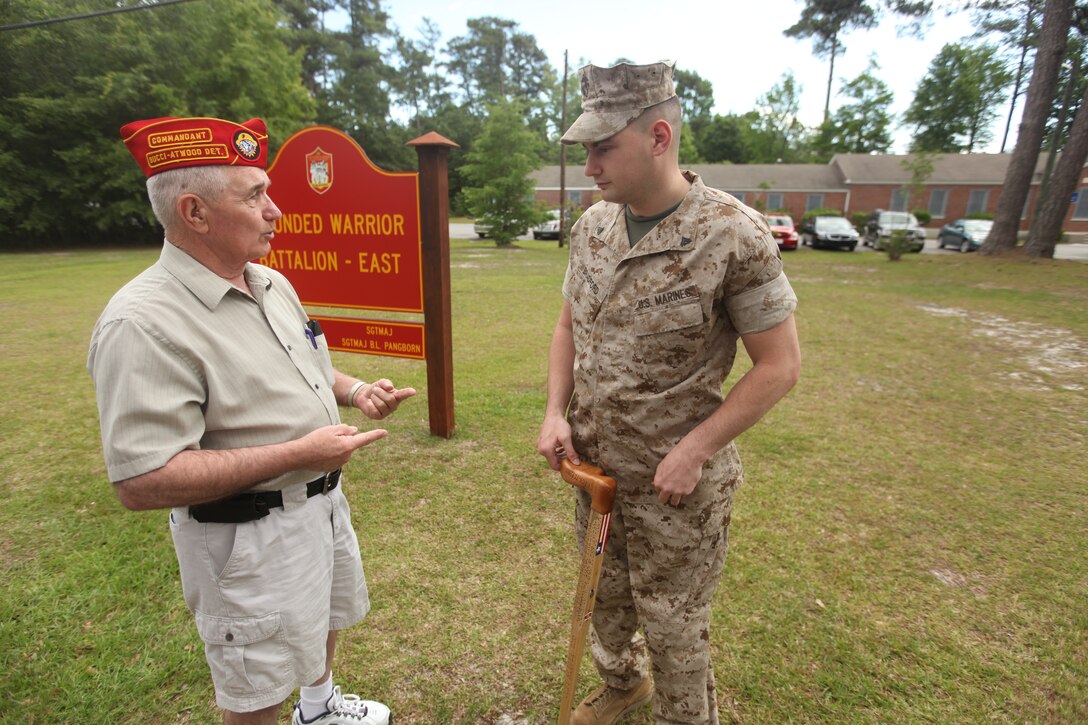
[{"x": 325, "y": 483}]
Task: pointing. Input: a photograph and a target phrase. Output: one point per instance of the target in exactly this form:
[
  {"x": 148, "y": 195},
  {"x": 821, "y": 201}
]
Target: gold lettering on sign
[
  {"x": 379, "y": 262},
  {"x": 309, "y": 260},
  {"x": 300, "y": 224},
  {"x": 368, "y": 225}
]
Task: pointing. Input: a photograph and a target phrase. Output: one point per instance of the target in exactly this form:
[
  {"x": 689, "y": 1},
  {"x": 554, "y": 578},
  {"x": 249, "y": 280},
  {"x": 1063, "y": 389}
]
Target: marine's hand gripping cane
[{"x": 602, "y": 492}]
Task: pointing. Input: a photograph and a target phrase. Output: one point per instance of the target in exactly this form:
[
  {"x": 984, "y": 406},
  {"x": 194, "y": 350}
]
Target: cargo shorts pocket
[{"x": 247, "y": 655}]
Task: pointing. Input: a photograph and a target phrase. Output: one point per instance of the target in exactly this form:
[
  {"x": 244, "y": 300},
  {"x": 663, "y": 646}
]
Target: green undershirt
[{"x": 640, "y": 226}]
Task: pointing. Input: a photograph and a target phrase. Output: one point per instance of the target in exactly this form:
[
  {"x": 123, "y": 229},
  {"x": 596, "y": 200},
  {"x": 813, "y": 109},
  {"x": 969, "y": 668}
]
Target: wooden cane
[{"x": 602, "y": 492}]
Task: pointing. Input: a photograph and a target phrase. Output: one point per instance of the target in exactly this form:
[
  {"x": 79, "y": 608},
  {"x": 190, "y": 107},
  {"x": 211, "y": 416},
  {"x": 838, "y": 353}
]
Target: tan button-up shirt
[
  {"x": 182, "y": 360},
  {"x": 656, "y": 325}
]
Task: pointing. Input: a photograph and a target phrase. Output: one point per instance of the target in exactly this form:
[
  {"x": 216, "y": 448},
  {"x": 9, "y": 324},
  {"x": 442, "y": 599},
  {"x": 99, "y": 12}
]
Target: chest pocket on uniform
[
  {"x": 668, "y": 336},
  {"x": 658, "y": 320}
]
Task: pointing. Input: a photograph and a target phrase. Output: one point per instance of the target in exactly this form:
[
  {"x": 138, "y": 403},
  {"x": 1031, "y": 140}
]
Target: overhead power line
[{"x": 95, "y": 14}]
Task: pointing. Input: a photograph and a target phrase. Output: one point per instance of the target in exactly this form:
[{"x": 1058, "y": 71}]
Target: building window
[
  {"x": 739, "y": 195},
  {"x": 900, "y": 200},
  {"x": 814, "y": 201},
  {"x": 1080, "y": 211},
  {"x": 774, "y": 201},
  {"x": 938, "y": 202},
  {"x": 978, "y": 201}
]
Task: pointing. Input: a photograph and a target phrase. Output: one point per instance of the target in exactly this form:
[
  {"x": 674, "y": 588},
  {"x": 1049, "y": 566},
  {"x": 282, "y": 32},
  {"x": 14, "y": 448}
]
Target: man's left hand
[
  {"x": 677, "y": 476},
  {"x": 378, "y": 399}
]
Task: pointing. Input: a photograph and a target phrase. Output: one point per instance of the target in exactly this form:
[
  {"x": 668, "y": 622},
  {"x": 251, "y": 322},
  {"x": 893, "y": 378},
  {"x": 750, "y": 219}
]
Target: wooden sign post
[
  {"x": 356, "y": 237},
  {"x": 433, "y": 151}
]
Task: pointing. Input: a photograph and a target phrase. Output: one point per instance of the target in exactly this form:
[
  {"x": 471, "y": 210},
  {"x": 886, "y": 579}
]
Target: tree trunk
[
  {"x": 830, "y": 77},
  {"x": 1044, "y": 81},
  {"x": 1019, "y": 72},
  {"x": 1054, "y": 145},
  {"x": 1048, "y": 229}
]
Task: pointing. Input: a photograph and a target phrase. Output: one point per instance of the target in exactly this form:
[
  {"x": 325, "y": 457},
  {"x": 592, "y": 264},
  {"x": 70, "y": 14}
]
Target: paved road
[
  {"x": 1062, "y": 251},
  {"x": 464, "y": 231}
]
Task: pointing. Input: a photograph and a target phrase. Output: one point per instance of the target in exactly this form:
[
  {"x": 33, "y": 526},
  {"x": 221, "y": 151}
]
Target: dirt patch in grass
[{"x": 1054, "y": 358}]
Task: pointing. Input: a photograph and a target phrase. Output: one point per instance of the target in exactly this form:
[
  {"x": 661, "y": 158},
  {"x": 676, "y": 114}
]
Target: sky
[{"x": 737, "y": 46}]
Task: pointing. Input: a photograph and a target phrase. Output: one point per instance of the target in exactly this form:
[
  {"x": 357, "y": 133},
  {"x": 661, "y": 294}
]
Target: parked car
[
  {"x": 881, "y": 224},
  {"x": 550, "y": 228},
  {"x": 483, "y": 231},
  {"x": 966, "y": 235},
  {"x": 782, "y": 230},
  {"x": 833, "y": 232}
]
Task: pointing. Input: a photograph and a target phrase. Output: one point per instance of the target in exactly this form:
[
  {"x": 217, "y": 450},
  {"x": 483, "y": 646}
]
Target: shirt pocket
[{"x": 668, "y": 339}]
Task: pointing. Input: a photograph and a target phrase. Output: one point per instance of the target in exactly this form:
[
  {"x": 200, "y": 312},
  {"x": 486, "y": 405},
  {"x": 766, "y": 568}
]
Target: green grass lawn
[{"x": 909, "y": 545}]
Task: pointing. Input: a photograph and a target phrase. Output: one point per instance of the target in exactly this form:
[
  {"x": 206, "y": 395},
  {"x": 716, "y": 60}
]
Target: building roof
[
  {"x": 728, "y": 177},
  {"x": 770, "y": 177},
  {"x": 957, "y": 169},
  {"x": 842, "y": 172}
]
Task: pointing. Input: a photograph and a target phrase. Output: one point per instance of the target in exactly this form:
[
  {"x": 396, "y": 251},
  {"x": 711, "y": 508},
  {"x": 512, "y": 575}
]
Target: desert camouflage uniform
[{"x": 655, "y": 335}]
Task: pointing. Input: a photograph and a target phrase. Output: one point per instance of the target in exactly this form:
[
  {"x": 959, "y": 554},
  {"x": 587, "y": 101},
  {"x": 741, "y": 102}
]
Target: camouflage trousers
[{"x": 661, "y": 568}]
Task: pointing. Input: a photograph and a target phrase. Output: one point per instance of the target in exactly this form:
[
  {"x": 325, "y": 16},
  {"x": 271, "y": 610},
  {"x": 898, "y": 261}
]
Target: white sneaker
[{"x": 346, "y": 710}]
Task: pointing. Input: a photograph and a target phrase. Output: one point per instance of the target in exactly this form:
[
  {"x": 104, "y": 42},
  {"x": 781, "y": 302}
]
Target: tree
[
  {"x": 495, "y": 62},
  {"x": 417, "y": 82},
  {"x": 573, "y": 154},
  {"x": 304, "y": 25},
  {"x": 696, "y": 96},
  {"x": 1044, "y": 79},
  {"x": 1015, "y": 23},
  {"x": 1046, "y": 226},
  {"x": 499, "y": 192},
  {"x": 689, "y": 152},
  {"x": 724, "y": 140},
  {"x": 956, "y": 101},
  {"x": 826, "y": 21},
  {"x": 778, "y": 133},
  {"x": 863, "y": 125},
  {"x": 358, "y": 101},
  {"x": 67, "y": 88}
]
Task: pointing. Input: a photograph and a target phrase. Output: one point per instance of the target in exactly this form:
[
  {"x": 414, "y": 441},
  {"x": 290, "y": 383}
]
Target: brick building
[{"x": 959, "y": 185}]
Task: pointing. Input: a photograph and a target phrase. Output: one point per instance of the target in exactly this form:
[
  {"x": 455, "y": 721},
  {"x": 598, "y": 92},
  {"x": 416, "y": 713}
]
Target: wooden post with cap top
[{"x": 434, "y": 228}]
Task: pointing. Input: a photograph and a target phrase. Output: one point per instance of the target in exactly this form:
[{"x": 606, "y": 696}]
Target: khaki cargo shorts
[{"x": 266, "y": 593}]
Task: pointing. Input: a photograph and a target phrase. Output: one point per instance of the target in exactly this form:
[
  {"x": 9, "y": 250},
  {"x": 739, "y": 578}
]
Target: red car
[{"x": 783, "y": 231}]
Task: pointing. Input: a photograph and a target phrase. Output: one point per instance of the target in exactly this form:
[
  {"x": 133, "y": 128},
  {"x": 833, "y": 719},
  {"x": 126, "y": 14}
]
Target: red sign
[
  {"x": 350, "y": 238},
  {"x": 374, "y": 337}
]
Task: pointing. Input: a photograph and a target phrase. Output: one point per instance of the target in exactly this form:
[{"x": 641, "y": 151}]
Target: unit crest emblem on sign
[{"x": 319, "y": 170}]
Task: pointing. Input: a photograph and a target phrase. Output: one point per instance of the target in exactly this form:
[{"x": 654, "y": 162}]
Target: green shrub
[
  {"x": 897, "y": 244},
  {"x": 858, "y": 219},
  {"x": 923, "y": 216},
  {"x": 819, "y": 212}
]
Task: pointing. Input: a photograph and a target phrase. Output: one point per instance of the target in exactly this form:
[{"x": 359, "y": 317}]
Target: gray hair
[{"x": 165, "y": 188}]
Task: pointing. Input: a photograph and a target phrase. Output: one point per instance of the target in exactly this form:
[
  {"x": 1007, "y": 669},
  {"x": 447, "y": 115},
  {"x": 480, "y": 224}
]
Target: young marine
[{"x": 665, "y": 275}]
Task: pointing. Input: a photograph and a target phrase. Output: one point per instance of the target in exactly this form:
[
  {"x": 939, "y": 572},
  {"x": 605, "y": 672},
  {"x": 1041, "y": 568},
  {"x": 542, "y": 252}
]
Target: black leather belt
[{"x": 252, "y": 506}]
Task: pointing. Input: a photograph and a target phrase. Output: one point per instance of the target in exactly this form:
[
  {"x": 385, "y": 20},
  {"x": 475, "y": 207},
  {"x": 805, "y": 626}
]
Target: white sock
[{"x": 314, "y": 700}]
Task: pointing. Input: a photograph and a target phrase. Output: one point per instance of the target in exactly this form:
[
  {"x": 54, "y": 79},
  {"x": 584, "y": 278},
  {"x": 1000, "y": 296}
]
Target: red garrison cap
[{"x": 161, "y": 144}]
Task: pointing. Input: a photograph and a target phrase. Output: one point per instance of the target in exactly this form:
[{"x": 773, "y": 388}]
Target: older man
[
  {"x": 218, "y": 400},
  {"x": 665, "y": 274}
]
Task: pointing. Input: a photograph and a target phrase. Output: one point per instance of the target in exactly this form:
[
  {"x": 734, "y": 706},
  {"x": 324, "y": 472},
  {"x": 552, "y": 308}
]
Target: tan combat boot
[{"x": 606, "y": 705}]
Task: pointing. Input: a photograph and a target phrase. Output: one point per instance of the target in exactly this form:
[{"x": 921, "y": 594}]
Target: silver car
[{"x": 881, "y": 224}]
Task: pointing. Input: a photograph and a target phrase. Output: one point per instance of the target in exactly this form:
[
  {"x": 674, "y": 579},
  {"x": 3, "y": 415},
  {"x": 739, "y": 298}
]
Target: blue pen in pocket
[{"x": 313, "y": 329}]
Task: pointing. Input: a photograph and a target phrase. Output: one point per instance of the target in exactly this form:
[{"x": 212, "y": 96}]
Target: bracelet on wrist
[{"x": 354, "y": 391}]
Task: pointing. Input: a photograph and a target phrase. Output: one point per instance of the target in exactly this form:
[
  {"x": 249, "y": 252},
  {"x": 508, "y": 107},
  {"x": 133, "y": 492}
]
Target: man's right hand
[
  {"x": 554, "y": 441},
  {"x": 332, "y": 446}
]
